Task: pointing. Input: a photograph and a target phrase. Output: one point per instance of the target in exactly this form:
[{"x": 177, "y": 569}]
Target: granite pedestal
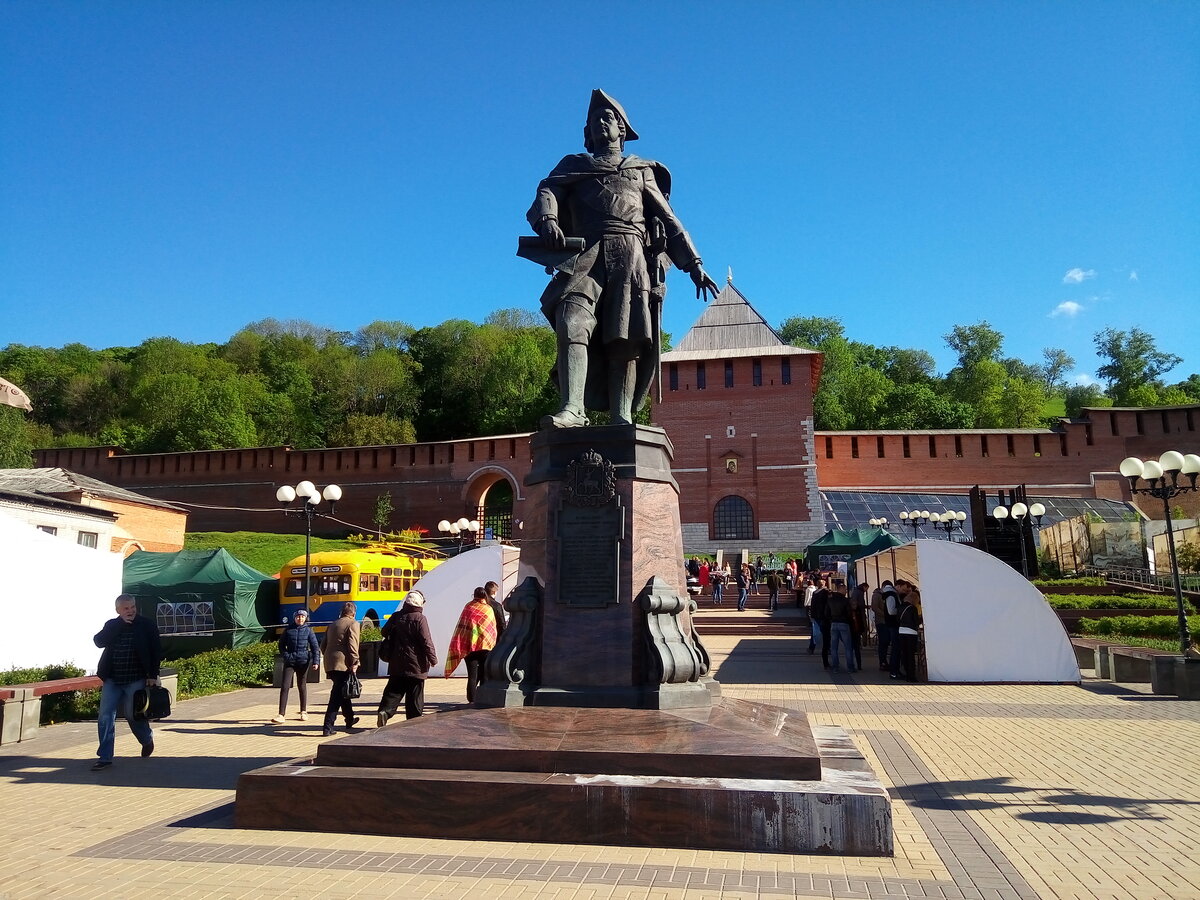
[
  {"x": 599, "y": 721},
  {"x": 738, "y": 776}
]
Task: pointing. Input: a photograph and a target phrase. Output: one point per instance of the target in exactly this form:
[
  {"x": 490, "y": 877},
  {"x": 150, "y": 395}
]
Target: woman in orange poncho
[{"x": 474, "y": 636}]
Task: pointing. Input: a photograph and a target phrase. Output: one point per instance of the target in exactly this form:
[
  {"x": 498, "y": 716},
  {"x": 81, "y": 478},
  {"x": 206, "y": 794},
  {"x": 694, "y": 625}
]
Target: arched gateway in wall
[{"x": 489, "y": 494}]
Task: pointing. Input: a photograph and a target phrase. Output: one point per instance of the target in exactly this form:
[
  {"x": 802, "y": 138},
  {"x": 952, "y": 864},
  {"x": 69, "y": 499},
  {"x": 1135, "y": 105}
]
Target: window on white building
[
  {"x": 88, "y": 538},
  {"x": 49, "y": 529}
]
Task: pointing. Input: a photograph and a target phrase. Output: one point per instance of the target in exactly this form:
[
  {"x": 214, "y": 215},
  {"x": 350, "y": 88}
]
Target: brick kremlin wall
[{"x": 765, "y": 429}]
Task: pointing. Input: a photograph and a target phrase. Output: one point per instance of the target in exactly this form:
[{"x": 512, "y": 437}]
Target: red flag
[{"x": 11, "y": 395}]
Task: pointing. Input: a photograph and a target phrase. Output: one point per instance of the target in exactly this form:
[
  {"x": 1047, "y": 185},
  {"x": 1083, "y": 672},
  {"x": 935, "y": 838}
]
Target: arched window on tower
[{"x": 733, "y": 519}]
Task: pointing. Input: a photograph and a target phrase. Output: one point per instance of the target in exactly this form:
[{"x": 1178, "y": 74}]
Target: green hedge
[
  {"x": 1136, "y": 626},
  {"x": 224, "y": 670},
  {"x": 1130, "y": 640},
  {"x": 208, "y": 673},
  {"x": 1110, "y": 601},
  {"x": 1087, "y": 581}
]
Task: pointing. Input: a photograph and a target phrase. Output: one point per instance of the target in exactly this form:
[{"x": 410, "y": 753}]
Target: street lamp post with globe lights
[
  {"x": 461, "y": 530},
  {"x": 949, "y": 522},
  {"x": 1021, "y": 516},
  {"x": 1162, "y": 481},
  {"x": 879, "y": 522},
  {"x": 915, "y": 520},
  {"x": 310, "y": 498}
]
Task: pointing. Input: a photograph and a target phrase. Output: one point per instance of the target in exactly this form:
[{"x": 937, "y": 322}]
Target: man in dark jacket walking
[
  {"x": 819, "y": 621},
  {"x": 129, "y": 662},
  {"x": 493, "y": 589},
  {"x": 409, "y": 652}
]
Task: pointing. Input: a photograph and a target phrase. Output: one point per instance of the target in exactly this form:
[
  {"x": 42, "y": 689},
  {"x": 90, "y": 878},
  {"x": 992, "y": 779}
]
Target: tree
[
  {"x": 810, "y": 331},
  {"x": 907, "y": 366},
  {"x": 358, "y": 430},
  {"x": 1187, "y": 554},
  {"x": 380, "y": 335},
  {"x": 382, "y": 517},
  {"x": 1133, "y": 360},
  {"x": 1191, "y": 387},
  {"x": 15, "y": 449},
  {"x": 1080, "y": 396},
  {"x": 914, "y": 406},
  {"x": 975, "y": 343},
  {"x": 1055, "y": 365}
]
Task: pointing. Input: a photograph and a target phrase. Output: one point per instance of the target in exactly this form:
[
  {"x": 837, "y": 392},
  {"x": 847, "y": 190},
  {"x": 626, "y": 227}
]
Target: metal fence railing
[{"x": 1143, "y": 578}]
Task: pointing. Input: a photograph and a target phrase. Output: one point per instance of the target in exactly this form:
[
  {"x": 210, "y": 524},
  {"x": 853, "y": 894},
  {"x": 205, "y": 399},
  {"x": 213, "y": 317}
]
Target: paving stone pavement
[{"x": 999, "y": 791}]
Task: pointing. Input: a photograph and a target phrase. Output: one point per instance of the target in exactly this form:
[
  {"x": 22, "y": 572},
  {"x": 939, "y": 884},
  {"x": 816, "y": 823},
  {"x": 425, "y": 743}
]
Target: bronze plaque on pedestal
[{"x": 589, "y": 548}]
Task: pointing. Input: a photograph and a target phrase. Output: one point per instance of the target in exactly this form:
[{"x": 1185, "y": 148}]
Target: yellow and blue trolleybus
[{"x": 376, "y": 578}]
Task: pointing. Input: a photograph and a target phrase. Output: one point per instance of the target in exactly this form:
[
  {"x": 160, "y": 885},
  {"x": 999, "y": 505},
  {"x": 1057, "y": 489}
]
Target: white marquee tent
[
  {"x": 447, "y": 589},
  {"x": 983, "y": 621},
  {"x": 60, "y": 592}
]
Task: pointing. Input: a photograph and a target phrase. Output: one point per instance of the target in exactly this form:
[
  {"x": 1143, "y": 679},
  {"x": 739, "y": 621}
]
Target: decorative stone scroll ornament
[
  {"x": 591, "y": 480},
  {"x": 672, "y": 658},
  {"x": 514, "y": 658}
]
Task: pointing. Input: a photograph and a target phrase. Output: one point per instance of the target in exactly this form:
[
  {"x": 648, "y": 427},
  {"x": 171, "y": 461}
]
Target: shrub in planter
[
  {"x": 1137, "y": 626},
  {"x": 224, "y": 670},
  {"x": 1086, "y": 581},
  {"x": 1110, "y": 601}
]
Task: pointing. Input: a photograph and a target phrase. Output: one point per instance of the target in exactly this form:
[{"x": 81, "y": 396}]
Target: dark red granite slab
[
  {"x": 847, "y": 812},
  {"x": 734, "y": 740}
]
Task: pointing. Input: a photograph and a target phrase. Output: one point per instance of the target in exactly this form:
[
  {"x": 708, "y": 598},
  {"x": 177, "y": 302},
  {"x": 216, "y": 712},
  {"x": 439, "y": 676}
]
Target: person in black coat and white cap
[{"x": 409, "y": 652}]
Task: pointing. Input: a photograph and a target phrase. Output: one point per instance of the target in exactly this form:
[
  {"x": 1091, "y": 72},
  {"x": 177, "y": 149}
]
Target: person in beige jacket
[{"x": 341, "y": 658}]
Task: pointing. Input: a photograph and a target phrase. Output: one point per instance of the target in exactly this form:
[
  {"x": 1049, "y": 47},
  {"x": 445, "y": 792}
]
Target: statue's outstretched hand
[
  {"x": 703, "y": 283},
  {"x": 552, "y": 234}
]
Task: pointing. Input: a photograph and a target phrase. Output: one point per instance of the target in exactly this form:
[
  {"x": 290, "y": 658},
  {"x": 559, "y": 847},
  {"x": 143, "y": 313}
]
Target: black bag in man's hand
[
  {"x": 353, "y": 689},
  {"x": 151, "y": 702}
]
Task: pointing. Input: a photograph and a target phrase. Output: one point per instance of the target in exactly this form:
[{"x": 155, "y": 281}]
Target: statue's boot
[
  {"x": 622, "y": 377},
  {"x": 572, "y": 373}
]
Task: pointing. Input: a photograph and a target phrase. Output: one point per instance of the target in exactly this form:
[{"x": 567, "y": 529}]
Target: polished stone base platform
[{"x": 740, "y": 776}]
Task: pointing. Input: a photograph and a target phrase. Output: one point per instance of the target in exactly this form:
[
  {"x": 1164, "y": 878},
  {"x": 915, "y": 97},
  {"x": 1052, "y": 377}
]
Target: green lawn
[
  {"x": 1055, "y": 406},
  {"x": 265, "y": 552}
]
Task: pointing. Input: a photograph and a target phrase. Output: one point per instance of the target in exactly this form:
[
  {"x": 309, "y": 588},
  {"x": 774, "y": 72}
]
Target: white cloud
[
  {"x": 1067, "y": 308},
  {"x": 1133, "y": 275},
  {"x": 1083, "y": 378},
  {"x": 1078, "y": 276}
]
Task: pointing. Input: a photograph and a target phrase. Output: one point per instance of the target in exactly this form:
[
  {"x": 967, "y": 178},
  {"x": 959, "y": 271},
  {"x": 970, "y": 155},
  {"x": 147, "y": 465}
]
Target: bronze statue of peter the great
[{"x": 609, "y": 234}]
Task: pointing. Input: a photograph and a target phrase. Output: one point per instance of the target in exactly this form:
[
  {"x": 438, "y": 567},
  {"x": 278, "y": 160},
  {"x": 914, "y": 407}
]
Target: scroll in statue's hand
[{"x": 552, "y": 234}]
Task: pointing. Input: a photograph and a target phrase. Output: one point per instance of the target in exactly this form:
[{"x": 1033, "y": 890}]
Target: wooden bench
[
  {"x": 21, "y": 704},
  {"x": 1088, "y": 654},
  {"x": 1144, "y": 664}
]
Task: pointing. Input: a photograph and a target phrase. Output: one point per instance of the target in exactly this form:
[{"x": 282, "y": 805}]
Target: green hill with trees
[{"x": 296, "y": 383}]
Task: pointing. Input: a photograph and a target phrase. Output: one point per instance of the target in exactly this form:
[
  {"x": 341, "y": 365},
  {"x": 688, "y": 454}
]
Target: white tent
[
  {"x": 983, "y": 621},
  {"x": 57, "y": 597},
  {"x": 448, "y": 587}
]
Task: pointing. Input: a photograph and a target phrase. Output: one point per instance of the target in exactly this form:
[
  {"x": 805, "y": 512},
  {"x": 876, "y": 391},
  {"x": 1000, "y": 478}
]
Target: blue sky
[{"x": 186, "y": 168}]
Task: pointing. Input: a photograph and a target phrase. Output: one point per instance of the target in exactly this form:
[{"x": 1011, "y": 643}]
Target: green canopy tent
[
  {"x": 202, "y": 599},
  {"x": 847, "y": 545}
]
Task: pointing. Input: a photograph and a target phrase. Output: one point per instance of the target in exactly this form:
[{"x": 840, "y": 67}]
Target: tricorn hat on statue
[{"x": 601, "y": 100}]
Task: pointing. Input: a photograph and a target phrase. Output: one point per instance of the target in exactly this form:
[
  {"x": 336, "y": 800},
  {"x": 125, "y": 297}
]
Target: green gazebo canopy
[
  {"x": 202, "y": 599},
  {"x": 849, "y": 544}
]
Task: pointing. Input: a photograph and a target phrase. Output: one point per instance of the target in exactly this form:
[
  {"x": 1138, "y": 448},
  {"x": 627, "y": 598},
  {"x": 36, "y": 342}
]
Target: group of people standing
[
  {"x": 407, "y": 647},
  {"x": 897, "y": 612},
  {"x": 840, "y": 621},
  {"x": 745, "y": 578}
]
